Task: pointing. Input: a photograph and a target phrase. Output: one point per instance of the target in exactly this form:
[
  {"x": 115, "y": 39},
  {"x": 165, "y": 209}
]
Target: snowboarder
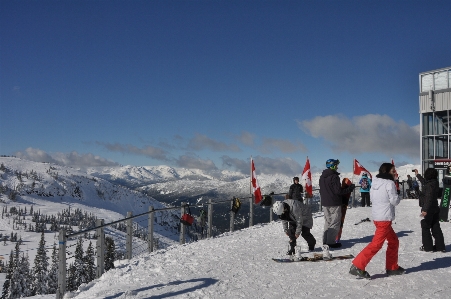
[
  {"x": 385, "y": 197},
  {"x": 430, "y": 211},
  {"x": 365, "y": 186},
  {"x": 296, "y": 190},
  {"x": 297, "y": 221},
  {"x": 331, "y": 201}
]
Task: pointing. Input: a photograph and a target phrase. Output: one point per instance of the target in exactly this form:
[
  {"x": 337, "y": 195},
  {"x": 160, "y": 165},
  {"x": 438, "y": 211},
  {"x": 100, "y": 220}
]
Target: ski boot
[
  {"x": 360, "y": 273},
  {"x": 398, "y": 271},
  {"x": 326, "y": 254}
]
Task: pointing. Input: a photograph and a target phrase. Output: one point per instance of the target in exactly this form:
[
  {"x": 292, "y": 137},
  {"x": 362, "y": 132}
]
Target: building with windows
[{"x": 435, "y": 111}]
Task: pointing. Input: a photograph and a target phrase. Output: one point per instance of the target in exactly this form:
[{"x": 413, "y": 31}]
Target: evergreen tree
[
  {"x": 53, "y": 272},
  {"x": 110, "y": 253},
  {"x": 90, "y": 267},
  {"x": 71, "y": 284},
  {"x": 79, "y": 274},
  {"x": 15, "y": 286},
  {"x": 40, "y": 269},
  {"x": 9, "y": 272},
  {"x": 25, "y": 275}
]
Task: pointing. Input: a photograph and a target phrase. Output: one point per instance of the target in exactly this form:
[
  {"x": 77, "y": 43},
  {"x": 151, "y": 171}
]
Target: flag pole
[
  {"x": 353, "y": 172},
  {"x": 251, "y": 201}
]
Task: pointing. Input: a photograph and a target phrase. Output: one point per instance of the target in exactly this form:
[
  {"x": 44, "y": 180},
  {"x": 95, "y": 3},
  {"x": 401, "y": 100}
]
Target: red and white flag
[
  {"x": 307, "y": 177},
  {"x": 359, "y": 169},
  {"x": 255, "y": 187}
]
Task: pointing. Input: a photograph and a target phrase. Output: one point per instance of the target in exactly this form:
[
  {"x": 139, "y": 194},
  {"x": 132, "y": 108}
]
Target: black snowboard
[
  {"x": 316, "y": 257},
  {"x": 444, "y": 204}
]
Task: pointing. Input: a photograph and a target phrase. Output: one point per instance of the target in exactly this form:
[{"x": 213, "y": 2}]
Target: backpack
[
  {"x": 415, "y": 184},
  {"x": 364, "y": 184},
  {"x": 267, "y": 201},
  {"x": 236, "y": 205}
]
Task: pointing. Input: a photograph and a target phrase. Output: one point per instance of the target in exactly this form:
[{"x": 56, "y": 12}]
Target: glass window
[
  {"x": 426, "y": 82},
  {"x": 428, "y": 124},
  {"x": 441, "y": 147},
  {"x": 440, "y": 80},
  {"x": 428, "y": 148},
  {"x": 441, "y": 122}
]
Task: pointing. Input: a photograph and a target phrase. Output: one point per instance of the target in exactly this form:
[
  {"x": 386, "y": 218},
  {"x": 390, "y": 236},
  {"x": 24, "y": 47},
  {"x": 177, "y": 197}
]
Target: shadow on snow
[{"x": 204, "y": 282}]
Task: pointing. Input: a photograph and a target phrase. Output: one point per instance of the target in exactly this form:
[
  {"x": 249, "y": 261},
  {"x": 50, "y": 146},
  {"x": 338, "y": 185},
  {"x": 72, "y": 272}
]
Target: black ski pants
[
  {"x": 431, "y": 224},
  {"x": 306, "y": 234},
  {"x": 365, "y": 199}
]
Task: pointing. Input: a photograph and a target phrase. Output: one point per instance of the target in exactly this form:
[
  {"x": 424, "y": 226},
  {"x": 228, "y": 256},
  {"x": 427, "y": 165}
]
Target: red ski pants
[{"x": 384, "y": 231}]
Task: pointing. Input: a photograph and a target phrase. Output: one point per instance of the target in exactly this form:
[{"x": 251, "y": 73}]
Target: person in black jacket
[
  {"x": 296, "y": 190},
  {"x": 331, "y": 201},
  {"x": 430, "y": 210}
]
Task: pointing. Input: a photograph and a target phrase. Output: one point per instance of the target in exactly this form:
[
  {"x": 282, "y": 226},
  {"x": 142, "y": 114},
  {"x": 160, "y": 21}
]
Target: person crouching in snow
[
  {"x": 297, "y": 221},
  {"x": 384, "y": 197}
]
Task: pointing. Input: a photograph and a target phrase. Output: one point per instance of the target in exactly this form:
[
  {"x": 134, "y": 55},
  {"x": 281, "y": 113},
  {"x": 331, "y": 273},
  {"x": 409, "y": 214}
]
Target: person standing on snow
[
  {"x": 297, "y": 221},
  {"x": 331, "y": 200},
  {"x": 385, "y": 197},
  {"x": 365, "y": 186},
  {"x": 296, "y": 190},
  {"x": 430, "y": 210}
]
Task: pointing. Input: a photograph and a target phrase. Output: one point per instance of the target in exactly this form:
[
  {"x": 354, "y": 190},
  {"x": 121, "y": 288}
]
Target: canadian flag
[
  {"x": 255, "y": 187},
  {"x": 307, "y": 177},
  {"x": 358, "y": 169}
]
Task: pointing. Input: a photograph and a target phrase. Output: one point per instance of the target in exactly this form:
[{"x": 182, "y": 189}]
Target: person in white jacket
[{"x": 384, "y": 197}]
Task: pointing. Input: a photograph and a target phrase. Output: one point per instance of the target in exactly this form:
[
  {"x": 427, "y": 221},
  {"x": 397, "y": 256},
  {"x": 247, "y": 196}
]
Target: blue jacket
[{"x": 369, "y": 184}]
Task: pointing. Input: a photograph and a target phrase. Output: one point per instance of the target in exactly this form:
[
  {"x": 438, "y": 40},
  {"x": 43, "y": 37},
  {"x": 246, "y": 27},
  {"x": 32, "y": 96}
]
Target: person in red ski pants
[{"x": 385, "y": 197}]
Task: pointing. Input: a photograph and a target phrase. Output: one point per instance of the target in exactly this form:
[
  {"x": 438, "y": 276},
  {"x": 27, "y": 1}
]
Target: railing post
[
  {"x": 210, "y": 219},
  {"x": 251, "y": 211},
  {"x": 100, "y": 246},
  {"x": 232, "y": 217},
  {"x": 61, "y": 264},
  {"x": 182, "y": 226},
  {"x": 129, "y": 235},
  {"x": 150, "y": 229},
  {"x": 270, "y": 209}
]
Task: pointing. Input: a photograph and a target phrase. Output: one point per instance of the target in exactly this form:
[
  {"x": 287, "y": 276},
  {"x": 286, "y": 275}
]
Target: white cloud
[
  {"x": 264, "y": 165},
  {"x": 73, "y": 159},
  {"x": 371, "y": 133},
  {"x": 191, "y": 161},
  {"x": 147, "y": 151}
]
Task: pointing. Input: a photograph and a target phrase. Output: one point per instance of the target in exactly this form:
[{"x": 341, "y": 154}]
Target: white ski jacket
[{"x": 384, "y": 198}]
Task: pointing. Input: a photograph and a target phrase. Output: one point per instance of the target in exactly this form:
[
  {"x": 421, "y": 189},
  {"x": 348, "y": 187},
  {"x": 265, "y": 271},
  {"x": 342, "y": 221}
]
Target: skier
[
  {"x": 331, "y": 201},
  {"x": 385, "y": 197},
  {"x": 296, "y": 190},
  {"x": 430, "y": 210},
  {"x": 297, "y": 221},
  {"x": 365, "y": 186}
]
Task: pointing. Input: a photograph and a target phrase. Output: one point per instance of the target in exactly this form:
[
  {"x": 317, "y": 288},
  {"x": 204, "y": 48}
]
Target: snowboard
[
  {"x": 344, "y": 207},
  {"x": 444, "y": 203},
  {"x": 316, "y": 257}
]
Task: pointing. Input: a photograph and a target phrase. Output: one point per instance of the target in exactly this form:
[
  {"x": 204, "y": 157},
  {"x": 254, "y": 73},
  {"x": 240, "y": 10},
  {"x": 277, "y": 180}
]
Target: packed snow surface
[{"x": 239, "y": 265}]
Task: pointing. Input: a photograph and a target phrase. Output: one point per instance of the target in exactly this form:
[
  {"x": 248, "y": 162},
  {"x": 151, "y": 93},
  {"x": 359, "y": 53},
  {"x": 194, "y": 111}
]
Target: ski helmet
[
  {"x": 332, "y": 163},
  {"x": 278, "y": 208}
]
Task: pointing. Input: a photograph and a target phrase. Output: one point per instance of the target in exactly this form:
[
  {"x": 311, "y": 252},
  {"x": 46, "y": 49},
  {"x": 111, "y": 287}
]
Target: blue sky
[{"x": 207, "y": 84}]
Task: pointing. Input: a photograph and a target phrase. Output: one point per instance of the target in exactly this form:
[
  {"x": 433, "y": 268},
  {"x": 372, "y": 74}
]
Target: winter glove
[{"x": 352, "y": 187}]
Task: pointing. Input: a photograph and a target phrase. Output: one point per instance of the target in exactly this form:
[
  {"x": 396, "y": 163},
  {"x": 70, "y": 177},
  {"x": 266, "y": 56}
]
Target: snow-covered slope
[
  {"x": 239, "y": 265},
  {"x": 55, "y": 183}
]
